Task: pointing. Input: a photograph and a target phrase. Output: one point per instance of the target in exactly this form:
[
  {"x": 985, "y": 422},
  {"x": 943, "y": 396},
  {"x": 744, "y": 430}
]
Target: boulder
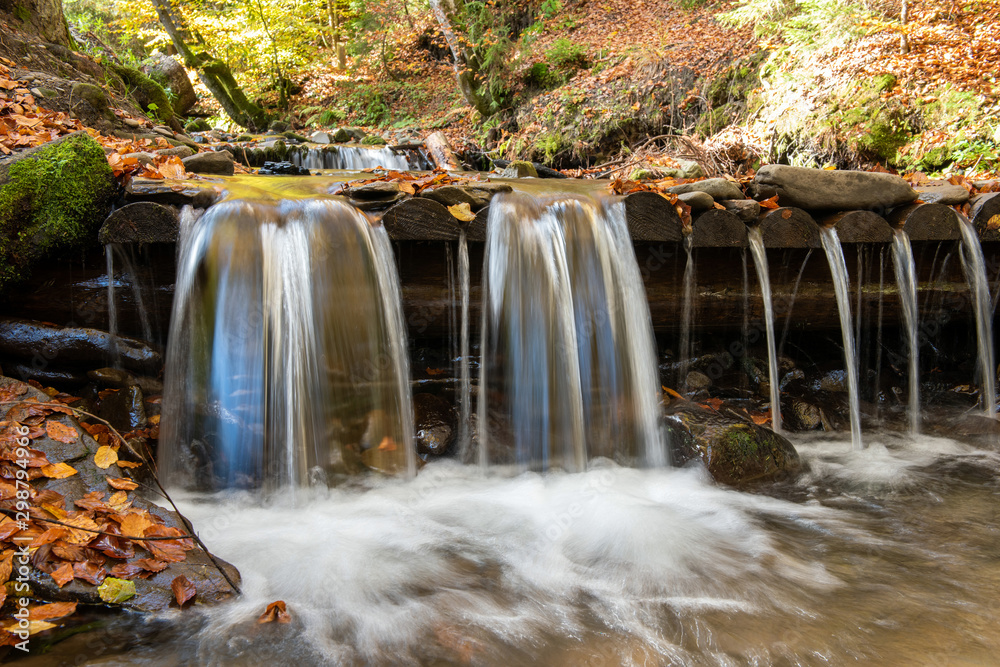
[
  {"x": 942, "y": 192},
  {"x": 279, "y": 126},
  {"x": 817, "y": 189},
  {"x": 140, "y": 222},
  {"x": 142, "y": 158},
  {"x": 90, "y": 104},
  {"x": 719, "y": 188},
  {"x": 698, "y": 201},
  {"x": 170, "y": 74},
  {"x": 736, "y": 453},
  {"x": 434, "y": 424},
  {"x": 213, "y": 162},
  {"x": 321, "y": 138},
  {"x": 103, "y": 555},
  {"x": 519, "y": 169},
  {"x": 747, "y": 210},
  {"x": 341, "y": 136},
  {"x": 177, "y": 151},
  {"x": 47, "y": 346},
  {"x": 51, "y": 199},
  {"x": 197, "y": 125}
]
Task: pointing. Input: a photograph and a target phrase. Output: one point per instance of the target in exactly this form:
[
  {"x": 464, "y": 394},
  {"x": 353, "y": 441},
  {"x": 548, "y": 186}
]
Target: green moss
[
  {"x": 94, "y": 96},
  {"x": 295, "y": 136},
  {"x": 22, "y": 13},
  {"x": 883, "y": 83},
  {"x": 147, "y": 93},
  {"x": 53, "y": 199},
  {"x": 197, "y": 125},
  {"x": 245, "y": 137},
  {"x": 373, "y": 140}
]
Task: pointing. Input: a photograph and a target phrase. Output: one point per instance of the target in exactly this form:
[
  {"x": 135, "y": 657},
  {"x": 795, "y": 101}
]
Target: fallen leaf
[
  {"x": 275, "y": 612},
  {"x": 771, "y": 203},
  {"x": 115, "y": 591},
  {"x": 183, "y": 590},
  {"x": 128, "y": 464},
  {"x": 61, "y": 432},
  {"x": 121, "y": 483},
  {"x": 105, "y": 457},
  {"x": 58, "y": 471},
  {"x": 993, "y": 223},
  {"x": 786, "y": 214},
  {"x": 462, "y": 211},
  {"x": 47, "y": 612},
  {"x": 135, "y": 524},
  {"x": 81, "y": 530},
  {"x": 63, "y": 574}
]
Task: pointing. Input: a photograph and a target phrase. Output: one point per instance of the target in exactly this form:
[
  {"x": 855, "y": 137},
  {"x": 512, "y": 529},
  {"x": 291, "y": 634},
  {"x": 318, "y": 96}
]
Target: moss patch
[
  {"x": 53, "y": 199},
  {"x": 147, "y": 93}
]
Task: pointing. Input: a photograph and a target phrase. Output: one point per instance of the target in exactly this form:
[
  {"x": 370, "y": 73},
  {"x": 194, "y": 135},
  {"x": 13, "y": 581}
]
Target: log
[
  {"x": 859, "y": 227},
  {"x": 440, "y": 152},
  {"x": 47, "y": 346},
  {"x": 651, "y": 217},
  {"x": 789, "y": 227},
  {"x": 985, "y": 208},
  {"x": 718, "y": 229},
  {"x": 420, "y": 219},
  {"x": 927, "y": 222}
]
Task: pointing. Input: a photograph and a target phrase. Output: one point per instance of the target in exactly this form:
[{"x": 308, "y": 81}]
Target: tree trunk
[
  {"x": 40, "y": 17},
  {"x": 904, "y": 44},
  {"x": 214, "y": 73},
  {"x": 465, "y": 73},
  {"x": 440, "y": 152}
]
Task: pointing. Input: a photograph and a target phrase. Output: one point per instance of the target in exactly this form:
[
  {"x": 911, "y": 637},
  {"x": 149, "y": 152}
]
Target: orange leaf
[
  {"x": 771, "y": 203},
  {"x": 786, "y": 214},
  {"x": 54, "y": 610},
  {"x": 61, "y": 432},
  {"x": 183, "y": 590},
  {"x": 121, "y": 483},
  {"x": 58, "y": 470},
  {"x": 128, "y": 464},
  {"x": 275, "y": 612},
  {"x": 63, "y": 574}
]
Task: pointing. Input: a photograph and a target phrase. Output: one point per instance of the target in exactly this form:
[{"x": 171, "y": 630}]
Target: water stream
[
  {"x": 687, "y": 314},
  {"x": 906, "y": 278},
  {"x": 347, "y": 157},
  {"x": 764, "y": 278},
  {"x": 465, "y": 383},
  {"x": 838, "y": 271}
]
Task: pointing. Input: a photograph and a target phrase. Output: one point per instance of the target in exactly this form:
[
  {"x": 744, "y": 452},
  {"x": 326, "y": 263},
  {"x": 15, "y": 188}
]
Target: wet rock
[
  {"x": 734, "y": 452},
  {"x": 124, "y": 409},
  {"x": 813, "y": 189},
  {"x": 376, "y": 190},
  {"x": 698, "y": 201},
  {"x": 111, "y": 377},
  {"x": 171, "y": 74},
  {"x": 341, "y": 136},
  {"x": 698, "y": 381},
  {"x": 942, "y": 192},
  {"x": 321, "y": 138},
  {"x": 718, "y": 188},
  {"x": 834, "y": 381},
  {"x": 143, "y": 158},
  {"x": 150, "y": 387},
  {"x": 519, "y": 169},
  {"x": 191, "y": 193},
  {"x": 806, "y": 416},
  {"x": 212, "y": 162},
  {"x": 746, "y": 210},
  {"x": 435, "y": 424},
  {"x": 140, "y": 222},
  {"x": 54, "y": 346},
  {"x": 476, "y": 196},
  {"x": 283, "y": 169},
  {"x": 39, "y": 371}
]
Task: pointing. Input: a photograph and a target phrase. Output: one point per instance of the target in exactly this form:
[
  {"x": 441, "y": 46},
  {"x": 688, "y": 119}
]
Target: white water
[
  {"x": 109, "y": 257},
  {"x": 763, "y": 276},
  {"x": 348, "y": 157},
  {"x": 906, "y": 278},
  {"x": 568, "y": 366},
  {"x": 838, "y": 271},
  {"x": 974, "y": 266},
  {"x": 465, "y": 382},
  {"x": 287, "y": 358},
  {"x": 616, "y": 566},
  {"x": 687, "y": 314}
]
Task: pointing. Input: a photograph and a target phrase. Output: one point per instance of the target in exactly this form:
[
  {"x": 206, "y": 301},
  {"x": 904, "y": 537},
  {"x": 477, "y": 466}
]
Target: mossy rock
[
  {"x": 197, "y": 125},
  {"x": 341, "y": 136},
  {"x": 245, "y": 137},
  {"x": 294, "y": 136},
  {"x": 147, "y": 93},
  {"x": 520, "y": 169},
  {"x": 736, "y": 453},
  {"x": 53, "y": 198},
  {"x": 93, "y": 96},
  {"x": 373, "y": 140},
  {"x": 279, "y": 126}
]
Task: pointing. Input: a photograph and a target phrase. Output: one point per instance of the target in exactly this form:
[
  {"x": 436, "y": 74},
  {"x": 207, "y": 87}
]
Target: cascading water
[
  {"x": 568, "y": 368},
  {"x": 838, "y": 271},
  {"x": 687, "y": 314},
  {"x": 287, "y": 356},
  {"x": 465, "y": 383},
  {"x": 348, "y": 157},
  {"x": 974, "y": 265},
  {"x": 906, "y": 278},
  {"x": 760, "y": 262},
  {"x": 109, "y": 257}
]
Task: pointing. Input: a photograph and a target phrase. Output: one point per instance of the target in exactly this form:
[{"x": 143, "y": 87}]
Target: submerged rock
[
  {"x": 734, "y": 452},
  {"x": 434, "y": 424},
  {"x": 213, "y": 162},
  {"x": 520, "y": 169},
  {"x": 813, "y": 189}
]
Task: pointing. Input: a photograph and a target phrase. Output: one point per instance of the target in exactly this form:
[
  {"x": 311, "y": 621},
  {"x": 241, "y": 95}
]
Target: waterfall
[
  {"x": 974, "y": 266},
  {"x": 906, "y": 278},
  {"x": 568, "y": 367},
  {"x": 760, "y": 262},
  {"x": 838, "y": 271},
  {"x": 109, "y": 257},
  {"x": 465, "y": 388},
  {"x": 687, "y": 312},
  {"x": 287, "y": 352},
  {"x": 354, "y": 158}
]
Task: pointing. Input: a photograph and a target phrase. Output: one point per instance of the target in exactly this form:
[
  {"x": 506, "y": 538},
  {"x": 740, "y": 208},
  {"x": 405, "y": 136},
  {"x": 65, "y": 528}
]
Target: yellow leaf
[
  {"x": 993, "y": 223},
  {"x": 105, "y": 457},
  {"x": 58, "y": 470},
  {"x": 463, "y": 212},
  {"x": 82, "y": 531},
  {"x": 128, "y": 464},
  {"x": 116, "y": 591},
  {"x": 117, "y": 499}
]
